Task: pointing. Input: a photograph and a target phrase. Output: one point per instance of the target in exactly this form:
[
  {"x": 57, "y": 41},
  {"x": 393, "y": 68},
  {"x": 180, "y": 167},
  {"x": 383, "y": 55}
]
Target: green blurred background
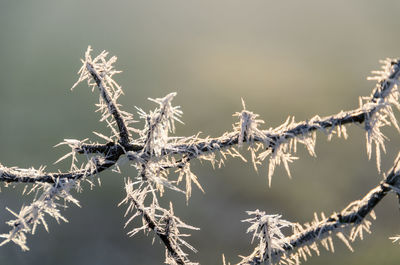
[{"x": 283, "y": 57}]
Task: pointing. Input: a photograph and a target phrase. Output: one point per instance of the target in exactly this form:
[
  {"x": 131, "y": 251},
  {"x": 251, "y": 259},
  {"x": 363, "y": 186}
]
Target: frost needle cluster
[{"x": 162, "y": 163}]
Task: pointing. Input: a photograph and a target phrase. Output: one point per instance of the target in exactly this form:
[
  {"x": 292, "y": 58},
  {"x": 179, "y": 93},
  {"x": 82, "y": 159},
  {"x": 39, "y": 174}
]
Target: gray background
[{"x": 283, "y": 57}]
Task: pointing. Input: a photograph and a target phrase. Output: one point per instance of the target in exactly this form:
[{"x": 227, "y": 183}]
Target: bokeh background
[{"x": 284, "y": 58}]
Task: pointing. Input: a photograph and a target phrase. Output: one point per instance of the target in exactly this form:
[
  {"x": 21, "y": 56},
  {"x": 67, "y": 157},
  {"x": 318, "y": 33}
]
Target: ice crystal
[
  {"x": 189, "y": 178},
  {"x": 163, "y": 162},
  {"x": 99, "y": 72},
  {"x": 163, "y": 222},
  {"x": 248, "y": 126},
  {"x": 267, "y": 229},
  {"x": 159, "y": 123},
  {"x": 385, "y": 95},
  {"x": 29, "y": 217},
  {"x": 395, "y": 238}
]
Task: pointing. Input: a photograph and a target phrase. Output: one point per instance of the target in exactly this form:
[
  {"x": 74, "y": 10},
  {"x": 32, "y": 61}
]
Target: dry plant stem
[
  {"x": 113, "y": 151},
  {"x": 113, "y": 108},
  {"x": 164, "y": 238},
  {"x": 111, "y": 157},
  {"x": 230, "y": 139},
  {"x": 154, "y": 152},
  {"x": 358, "y": 115},
  {"x": 336, "y": 221},
  {"x": 225, "y": 141},
  {"x": 209, "y": 145}
]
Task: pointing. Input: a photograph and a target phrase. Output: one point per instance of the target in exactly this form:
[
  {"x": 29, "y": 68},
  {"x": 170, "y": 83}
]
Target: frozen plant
[
  {"x": 162, "y": 164},
  {"x": 267, "y": 229}
]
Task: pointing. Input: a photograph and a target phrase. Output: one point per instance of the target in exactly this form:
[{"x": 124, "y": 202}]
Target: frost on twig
[
  {"x": 384, "y": 97},
  {"x": 158, "y": 124},
  {"x": 267, "y": 229},
  {"x": 347, "y": 225},
  {"x": 163, "y": 162},
  {"x": 99, "y": 73},
  {"x": 248, "y": 126},
  {"x": 155, "y": 218},
  {"x": 29, "y": 217}
]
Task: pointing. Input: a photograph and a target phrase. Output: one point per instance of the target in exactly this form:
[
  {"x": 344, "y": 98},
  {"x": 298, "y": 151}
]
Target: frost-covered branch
[
  {"x": 279, "y": 142},
  {"x": 31, "y": 216},
  {"x": 102, "y": 72},
  {"x": 381, "y": 100},
  {"x": 162, "y": 222},
  {"x": 58, "y": 185},
  {"x": 93, "y": 167},
  {"x": 306, "y": 238},
  {"x": 266, "y": 228},
  {"x": 163, "y": 162},
  {"x": 113, "y": 108}
]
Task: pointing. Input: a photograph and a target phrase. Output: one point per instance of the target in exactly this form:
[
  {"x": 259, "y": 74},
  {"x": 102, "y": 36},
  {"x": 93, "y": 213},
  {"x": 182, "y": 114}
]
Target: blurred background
[{"x": 284, "y": 58}]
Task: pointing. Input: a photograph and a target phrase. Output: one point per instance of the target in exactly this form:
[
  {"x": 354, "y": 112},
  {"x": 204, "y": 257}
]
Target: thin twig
[
  {"x": 17, "y": 175},
  {"x": 152, "y": 224},
  {"x": 354, "y": 213},
  {"x": 113, "y": 108},
  {"x": 212, "y": 144},
  {"x": 227, "y": 140}
]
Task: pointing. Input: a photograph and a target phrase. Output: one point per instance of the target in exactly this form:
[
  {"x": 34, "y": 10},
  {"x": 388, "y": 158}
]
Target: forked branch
[
  {"x": 197, "y": 147},
  {"x": 351, "y": 218},
  {"x": 154, "y": 153}
]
